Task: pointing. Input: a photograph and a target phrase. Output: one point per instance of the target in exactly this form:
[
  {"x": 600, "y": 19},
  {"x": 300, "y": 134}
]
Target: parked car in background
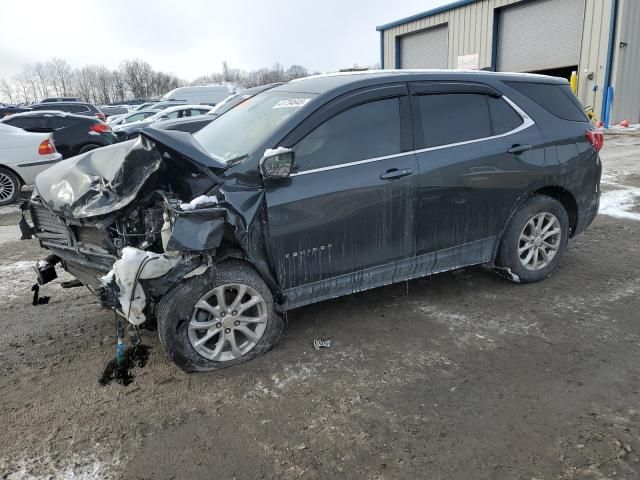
[
  {"x": 162, "y": 105},
  {"x": 78, "y": 108},
  {"x": 134, "y": 116},
  {"x": 192, "y": 125},
  {"x": 110, "y": 110},
  {"x": 206, "y": 94},
  {"x": 132, "y": 130},
  {"x": 61, "y": 99},
  {"x": 72, "y": 134},
  {"x": 23, "y": 155},
  {"x": 11, "y": 109},
  {"x": 143, "y": 106}
]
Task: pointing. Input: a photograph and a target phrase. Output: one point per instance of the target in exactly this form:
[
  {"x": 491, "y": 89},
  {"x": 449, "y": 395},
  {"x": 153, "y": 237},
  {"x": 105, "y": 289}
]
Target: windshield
[{"x": 240, "y": 130}]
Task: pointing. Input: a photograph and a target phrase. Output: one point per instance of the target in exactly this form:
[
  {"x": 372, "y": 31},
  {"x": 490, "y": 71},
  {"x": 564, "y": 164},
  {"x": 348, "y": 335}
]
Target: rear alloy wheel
[
  {"x": 535, "y": 240},
  {"x": 9, "y": 187},
  {"x": 539, "y": 241},
  {"x": 218, "y": 319}
]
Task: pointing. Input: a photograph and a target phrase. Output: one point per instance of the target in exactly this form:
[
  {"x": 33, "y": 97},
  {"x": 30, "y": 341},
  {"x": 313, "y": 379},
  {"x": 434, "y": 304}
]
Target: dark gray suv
[{"x": 318, "y": 188}]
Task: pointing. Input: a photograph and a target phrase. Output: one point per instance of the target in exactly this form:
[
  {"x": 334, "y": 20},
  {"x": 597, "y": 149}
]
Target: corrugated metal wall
[
  {"x": 626, "y": 65},
  {"x": 471, "y": 30},
  {"x": 593, "y": 57},
  {"x": 521, "y": 26}
]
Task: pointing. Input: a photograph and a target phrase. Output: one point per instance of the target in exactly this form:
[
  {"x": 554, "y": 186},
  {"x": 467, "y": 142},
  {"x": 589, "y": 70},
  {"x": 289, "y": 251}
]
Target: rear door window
[
  {"x": 556, "y": 98},
  {"x": 362, "y": 132},
  {"x": 450, "y": 118}
]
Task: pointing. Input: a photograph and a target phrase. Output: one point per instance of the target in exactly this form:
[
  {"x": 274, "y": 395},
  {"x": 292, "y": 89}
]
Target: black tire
[
  {"x": 10, "y": 185},
  {"x": 508, "y": 262},
  {"x": 176, "y": 308},
  {"x": 88, "y": 148}
]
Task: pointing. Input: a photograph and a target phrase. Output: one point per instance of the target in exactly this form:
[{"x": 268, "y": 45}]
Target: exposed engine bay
[{"x": 132, "y": 220}]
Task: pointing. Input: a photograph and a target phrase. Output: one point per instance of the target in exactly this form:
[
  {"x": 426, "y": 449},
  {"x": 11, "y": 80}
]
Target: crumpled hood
[
  {"x": 99, "y": 181},
  {"x": 108, "y": 179}
]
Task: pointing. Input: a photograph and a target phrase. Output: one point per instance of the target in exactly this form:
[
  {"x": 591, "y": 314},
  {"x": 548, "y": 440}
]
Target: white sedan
[{"x": 23, "y": 155}]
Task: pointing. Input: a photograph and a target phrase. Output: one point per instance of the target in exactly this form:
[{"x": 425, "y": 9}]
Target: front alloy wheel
[
  {"x": 228, "y": 322},
  {"x": 218, "y": 319}
]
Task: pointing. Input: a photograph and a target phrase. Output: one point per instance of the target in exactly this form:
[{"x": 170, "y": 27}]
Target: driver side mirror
[{"x": 277, "y": 163}]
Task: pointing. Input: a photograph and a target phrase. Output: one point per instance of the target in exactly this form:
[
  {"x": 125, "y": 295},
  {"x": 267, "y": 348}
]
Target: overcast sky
[{"x": 192, "y": 37}]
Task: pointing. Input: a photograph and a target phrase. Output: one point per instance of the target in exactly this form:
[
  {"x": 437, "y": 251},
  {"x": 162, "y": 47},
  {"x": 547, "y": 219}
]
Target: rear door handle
[
  {"x": 515, "y": 149},
  {"x": 395, "y": 174}
]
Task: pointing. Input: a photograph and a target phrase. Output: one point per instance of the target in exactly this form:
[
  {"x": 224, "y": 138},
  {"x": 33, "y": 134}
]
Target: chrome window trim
[{"x": 527, "y": 122}]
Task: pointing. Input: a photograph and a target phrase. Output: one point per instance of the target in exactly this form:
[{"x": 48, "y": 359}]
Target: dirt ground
[{"x": 459, "y": 376}]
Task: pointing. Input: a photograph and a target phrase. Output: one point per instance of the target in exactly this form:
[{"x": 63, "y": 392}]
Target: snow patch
[
  {"x": 202, "y": 200},
  {"x": 271, "y": 152},
  {"x": 86, "y": 466},
  {"x": 17, "y": 279},
  {"x": 620, "y": 203},
  {"x": 134, "y": 265}
]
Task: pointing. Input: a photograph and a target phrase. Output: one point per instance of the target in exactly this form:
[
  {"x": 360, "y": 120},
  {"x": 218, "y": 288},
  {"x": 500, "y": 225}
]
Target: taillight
[
  {"x": 101, "y": 116},
  {"x": 596, "y": 137},
  {"x": 46, "y": 147},
  {"x": 100, "y": 128}
]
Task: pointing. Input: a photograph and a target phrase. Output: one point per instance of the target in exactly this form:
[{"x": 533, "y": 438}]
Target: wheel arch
[
  {"x": 87, "y": 144},
  {"x": 5, "y": 167},
  {"x": 568, "y": 201},
  {"x": 561, "y": 194},
  {"x": 229, "y": 253}
]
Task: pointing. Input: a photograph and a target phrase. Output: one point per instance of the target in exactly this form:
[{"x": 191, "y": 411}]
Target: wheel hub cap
[
  {"x": 227, "y": 322},
  {"x": 7, "y": 187},
  {"x": 539, "y": 241}
]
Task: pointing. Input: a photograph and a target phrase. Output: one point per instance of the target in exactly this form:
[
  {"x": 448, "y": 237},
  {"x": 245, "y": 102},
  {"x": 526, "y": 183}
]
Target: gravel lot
[{"x": 458, "y": 376}]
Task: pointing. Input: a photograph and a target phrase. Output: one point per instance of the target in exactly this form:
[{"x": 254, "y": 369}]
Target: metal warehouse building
[{"x": 599, "y": 39}]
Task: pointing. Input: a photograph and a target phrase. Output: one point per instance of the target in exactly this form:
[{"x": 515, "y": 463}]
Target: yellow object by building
[{"x": 574, "y": 82}]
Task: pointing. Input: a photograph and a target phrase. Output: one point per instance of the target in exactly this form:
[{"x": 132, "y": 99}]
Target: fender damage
[{"x": 123, "y": 219}]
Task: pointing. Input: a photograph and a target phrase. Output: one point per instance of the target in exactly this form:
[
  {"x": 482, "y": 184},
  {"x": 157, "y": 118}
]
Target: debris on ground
[
  {"x": 319, "y": 343},
  {"x": 37, "y": 299},
  {"x": 120, "y": 368}
]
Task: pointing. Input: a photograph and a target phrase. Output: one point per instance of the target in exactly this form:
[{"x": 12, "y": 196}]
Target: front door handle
[
  {"x": 395, "y": 174},
  {"x": 515, "y": 149}
]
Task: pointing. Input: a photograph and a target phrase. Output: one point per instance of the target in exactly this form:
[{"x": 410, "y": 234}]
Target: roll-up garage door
[
  {"x": 426, "y": 49},
  {"x": 540, "y": 35}
]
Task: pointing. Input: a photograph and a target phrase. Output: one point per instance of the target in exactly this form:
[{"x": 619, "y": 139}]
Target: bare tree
[
  {"x": 134, "y": 78},
  {"x": 7, "y": 90},
  {"x": 296, "y": 71},
  {"x": 41, "y": 74},
  {"x": 60, "y": 74}
]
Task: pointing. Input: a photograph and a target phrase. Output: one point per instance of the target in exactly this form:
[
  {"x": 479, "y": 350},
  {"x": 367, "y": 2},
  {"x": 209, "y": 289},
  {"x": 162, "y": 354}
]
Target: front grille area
[
  {"x": 90, "y": 235},
  {"x": 48, "y": 227}
]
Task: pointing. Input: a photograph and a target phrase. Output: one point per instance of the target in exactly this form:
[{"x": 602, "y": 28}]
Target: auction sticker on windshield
[{"x": 291, "y": 103}]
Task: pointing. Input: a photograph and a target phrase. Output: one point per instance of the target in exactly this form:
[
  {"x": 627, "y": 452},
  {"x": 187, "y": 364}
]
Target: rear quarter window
[
  {"x": 557, "y": 99},
  {"x": 503, "y": 117}
]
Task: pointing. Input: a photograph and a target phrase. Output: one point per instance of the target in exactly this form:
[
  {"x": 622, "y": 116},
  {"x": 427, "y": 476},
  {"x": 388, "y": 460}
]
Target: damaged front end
[{"x": 132, "y": 220}]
